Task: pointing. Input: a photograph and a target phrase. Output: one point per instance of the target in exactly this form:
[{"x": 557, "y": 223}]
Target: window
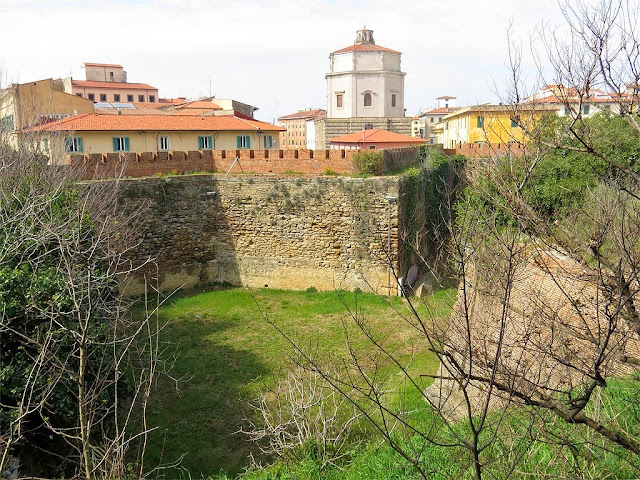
[
  {"x": 439, "y": 119},
  {"x": 152, "y": 98},
  {"x": 268, "y": 141},
  {"x": 607, "y": 107},
  {"x": 73, "y": 145},
  {"x": 116, "y": 97},
  {"x": 103, "y": 97},
  {"x": 120, "y": 144},
  {"x": 566, "y": 110},
  {"x": 141, "y": 98},
  {"x": 164, "y": 143},
  {"x": 514, "y": 124},
  {"x": 432, "y": 119},
  {"x": 393, "y": 99},
  {"x": 129, "y": 98},
  {"x": 368, "y": 126},
  {"x": 205, "y": 143},
  {"x": 368, "y": 101},
  {"x": 91, "y": 96},
  {"x": 79, "y": 95},
  {"x": 585, "y": 110},
  {"x": 339, "y": 100},
  {"x": 372, "y": 147},
  {"x": 111, "y": 76},
  {"x": 243, "y": 141},
  {"x": 480, "y": 121},
  {"x": 431, "y": 140}
]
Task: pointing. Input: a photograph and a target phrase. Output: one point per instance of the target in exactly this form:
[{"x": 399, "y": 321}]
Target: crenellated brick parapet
[{"x": 129, "y": 164}]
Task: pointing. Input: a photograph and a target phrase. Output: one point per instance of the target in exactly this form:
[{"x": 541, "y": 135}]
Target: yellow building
[
  {"x": 35, "y": 103},
  {"x": 95, "y": 133},
  {"x": 493, "y": 124}
]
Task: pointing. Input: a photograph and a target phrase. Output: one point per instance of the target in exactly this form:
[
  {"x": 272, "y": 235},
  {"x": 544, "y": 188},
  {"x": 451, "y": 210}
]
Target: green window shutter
[
  {"x": 67, "y": 144},
  {"x": 200, "y": 143},
  {"x": 80, "y": 146},
  {"x": 209, "y": 142},
  {"x": 126, "y": 144},
  {"x": 248, "y": 141},
  {"x": 115, "y": 144},
  {"x": 239, "y": 141},
  {"x": 46, "y": 145}
]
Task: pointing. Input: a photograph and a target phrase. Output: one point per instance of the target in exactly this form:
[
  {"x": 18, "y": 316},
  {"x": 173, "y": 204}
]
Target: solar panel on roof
[
  {"x": 102, "y": 105},
  {"x": 122, "y": 105}
]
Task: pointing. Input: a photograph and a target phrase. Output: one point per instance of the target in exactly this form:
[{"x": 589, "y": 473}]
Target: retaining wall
[{"x": 258, "y": 231}]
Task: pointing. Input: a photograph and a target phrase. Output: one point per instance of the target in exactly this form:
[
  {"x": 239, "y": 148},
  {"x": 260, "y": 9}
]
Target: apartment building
[
  {"x": 300, "y": 128},
  {"x": 105, "y": 82},
  {"x": 95, "y": 133}
]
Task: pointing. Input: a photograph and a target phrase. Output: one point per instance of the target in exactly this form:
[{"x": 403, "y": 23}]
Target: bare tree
[
  {"x": 77, "y": 367},
  {"x": 546, "y": 319}
]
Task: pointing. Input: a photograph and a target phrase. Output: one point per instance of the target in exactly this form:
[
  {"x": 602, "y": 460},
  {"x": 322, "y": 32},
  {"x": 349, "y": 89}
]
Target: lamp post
[{"x": 390, "y": 199}]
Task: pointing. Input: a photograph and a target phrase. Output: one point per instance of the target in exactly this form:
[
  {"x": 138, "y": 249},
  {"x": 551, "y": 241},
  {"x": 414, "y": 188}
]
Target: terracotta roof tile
[
  {"x": 377, "y": 135},
  {"x": 154, "y": 105},
  {"x": 112, "y": 65},
  {"x": 201, "y": 104},
  {"x": 304, "y": 114},
  {"x": 441, "y": 110},
  {"x": 365, "y": 47},
  {"x": 94, "y": 84},
  {"x": 96, "y": 122},
  {"x": 172, "y": 101}
]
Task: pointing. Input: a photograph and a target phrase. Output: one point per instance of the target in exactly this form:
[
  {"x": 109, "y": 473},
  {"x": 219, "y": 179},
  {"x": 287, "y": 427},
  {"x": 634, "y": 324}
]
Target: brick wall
[
  {"x": 256, "y": 231},
  {"x": 249, "y": 161},
  {"x": 486, "y": 150},
  {"x": 396, "y": 158},
  {"x": 306, "y": 162}
]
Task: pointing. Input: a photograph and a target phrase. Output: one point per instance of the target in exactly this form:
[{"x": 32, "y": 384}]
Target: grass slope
[{"x": 226, "y": 349}]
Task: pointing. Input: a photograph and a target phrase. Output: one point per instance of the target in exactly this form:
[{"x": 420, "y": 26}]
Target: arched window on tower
[{"x": 367, "y": 100}]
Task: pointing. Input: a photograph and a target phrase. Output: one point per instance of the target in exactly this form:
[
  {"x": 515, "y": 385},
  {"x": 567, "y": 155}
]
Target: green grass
[
  {"x": 226, "y": 350},
  {"x": 589, "y": 457}
]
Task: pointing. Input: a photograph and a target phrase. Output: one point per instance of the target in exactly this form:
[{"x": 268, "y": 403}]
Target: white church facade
[{"x": 365, "y": 89}]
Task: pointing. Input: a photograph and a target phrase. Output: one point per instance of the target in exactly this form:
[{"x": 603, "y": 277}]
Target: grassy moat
[{"x": 225, "y": 349}]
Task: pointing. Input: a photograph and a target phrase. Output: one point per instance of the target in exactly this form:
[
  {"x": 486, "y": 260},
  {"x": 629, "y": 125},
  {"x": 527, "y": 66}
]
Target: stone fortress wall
[{"x": 258, "y": 231}]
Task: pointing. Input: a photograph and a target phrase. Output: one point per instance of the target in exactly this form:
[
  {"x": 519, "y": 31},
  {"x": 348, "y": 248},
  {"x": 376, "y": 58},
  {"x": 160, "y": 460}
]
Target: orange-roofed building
[
  {"x": 300, "y": 128},
  {"x": 365, "y": 90},
  {"x": 107, "y": 82},
  {"x": 429, "y": 118},
  {"x": 365, "y": 80},
  {"x": 374, "y": 139},
  {"x": 95, "y": 133},
  {"x": 568, "y": 101}
]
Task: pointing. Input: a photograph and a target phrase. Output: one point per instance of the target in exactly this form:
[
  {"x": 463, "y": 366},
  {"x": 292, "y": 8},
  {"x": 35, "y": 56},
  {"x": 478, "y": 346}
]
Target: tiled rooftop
[{"x": 97, "y": 122}]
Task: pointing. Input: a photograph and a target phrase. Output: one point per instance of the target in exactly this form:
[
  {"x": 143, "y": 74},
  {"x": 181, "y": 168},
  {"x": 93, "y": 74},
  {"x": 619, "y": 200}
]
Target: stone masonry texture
[{"x": 258, "y": 230}]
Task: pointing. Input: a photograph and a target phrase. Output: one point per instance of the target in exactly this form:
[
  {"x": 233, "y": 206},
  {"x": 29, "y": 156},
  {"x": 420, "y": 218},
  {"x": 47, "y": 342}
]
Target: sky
[{"x": 272, "y": 54}]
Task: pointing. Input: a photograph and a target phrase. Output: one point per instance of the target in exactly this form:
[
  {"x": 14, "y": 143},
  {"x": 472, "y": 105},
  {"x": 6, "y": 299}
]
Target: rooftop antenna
[{"x": 210, "y": 86}]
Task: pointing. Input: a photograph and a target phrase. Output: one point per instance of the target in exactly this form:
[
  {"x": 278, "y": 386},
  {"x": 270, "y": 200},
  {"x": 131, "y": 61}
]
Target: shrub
[{"x": 369, "y": 162}]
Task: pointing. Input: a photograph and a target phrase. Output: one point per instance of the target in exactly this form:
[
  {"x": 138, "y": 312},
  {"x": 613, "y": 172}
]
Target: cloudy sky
[{"x": 269, "y": 53}]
